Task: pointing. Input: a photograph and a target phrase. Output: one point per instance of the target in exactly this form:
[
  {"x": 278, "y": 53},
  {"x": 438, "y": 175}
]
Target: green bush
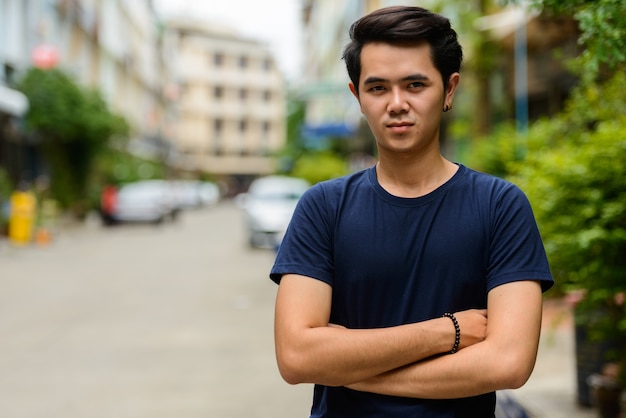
[
  {"x": 316, "y": 167},
  {"x": 494, "y": 153},
  {"x": 578, "y": 191}
]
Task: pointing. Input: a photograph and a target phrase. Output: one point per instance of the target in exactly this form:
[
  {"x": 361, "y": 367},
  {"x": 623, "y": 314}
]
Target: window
[
  {"x": 243, "y": 94},
  {"x": 267, "y": 95},
  {"x": 243, "y": 61},
  {"x": 265, "y": 138},
  {"x": 243, "y": 127},
  {"x": 218, "y": 92},
  {"x": 218, "y": 59},
  {"x": 218, "y": 126}
]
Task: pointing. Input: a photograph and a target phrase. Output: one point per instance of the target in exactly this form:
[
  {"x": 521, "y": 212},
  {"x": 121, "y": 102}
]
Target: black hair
[{"x": 403, "y": 25}]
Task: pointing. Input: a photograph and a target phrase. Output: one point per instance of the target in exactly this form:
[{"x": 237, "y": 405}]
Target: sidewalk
[{"x": 551, "y": 391}]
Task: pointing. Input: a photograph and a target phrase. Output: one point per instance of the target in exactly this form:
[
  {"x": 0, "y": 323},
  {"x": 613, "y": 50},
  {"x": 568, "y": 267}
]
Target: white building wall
[
  {"x": 12, "y": 32},
  {"x": 232, "y": 117}
]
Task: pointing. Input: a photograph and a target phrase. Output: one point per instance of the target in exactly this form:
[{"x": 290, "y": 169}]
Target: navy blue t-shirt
[{"x": 393, "y": 261}]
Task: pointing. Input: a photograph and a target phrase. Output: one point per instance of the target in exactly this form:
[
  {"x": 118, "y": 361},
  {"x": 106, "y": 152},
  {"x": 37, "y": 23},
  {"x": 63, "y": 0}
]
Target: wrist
[{"x": 457, "y": 332}]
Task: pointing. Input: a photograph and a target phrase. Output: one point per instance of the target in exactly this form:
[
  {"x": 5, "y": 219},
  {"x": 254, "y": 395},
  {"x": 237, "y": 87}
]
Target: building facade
[{"x": 230, "y": 99}]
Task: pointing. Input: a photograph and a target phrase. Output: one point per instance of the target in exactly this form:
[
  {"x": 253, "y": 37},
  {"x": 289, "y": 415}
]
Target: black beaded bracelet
[{"x": 457, "y": 331}]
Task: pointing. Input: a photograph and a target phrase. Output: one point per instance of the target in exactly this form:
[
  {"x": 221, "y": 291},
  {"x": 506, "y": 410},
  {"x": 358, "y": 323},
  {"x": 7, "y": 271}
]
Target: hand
[{"x": 473, "y": 324}]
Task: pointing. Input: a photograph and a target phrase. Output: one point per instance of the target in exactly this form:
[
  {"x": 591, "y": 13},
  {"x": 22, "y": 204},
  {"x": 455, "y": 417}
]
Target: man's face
[{"x": 401, "y": 94}]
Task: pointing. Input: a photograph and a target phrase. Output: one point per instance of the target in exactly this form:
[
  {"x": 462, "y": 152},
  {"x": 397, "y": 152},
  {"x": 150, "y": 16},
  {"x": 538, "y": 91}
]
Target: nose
[{"x": 397, "y": 102}]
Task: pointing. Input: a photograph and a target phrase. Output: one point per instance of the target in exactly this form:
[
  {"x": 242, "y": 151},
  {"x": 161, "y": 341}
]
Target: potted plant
[{"x": 607, "y": 390}]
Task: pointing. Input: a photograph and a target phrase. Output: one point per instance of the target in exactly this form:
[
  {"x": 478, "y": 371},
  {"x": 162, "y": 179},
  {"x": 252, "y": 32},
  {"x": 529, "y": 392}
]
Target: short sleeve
[
  {"x": 516, "y": 249},
  {"x": 307, "y": 246}
]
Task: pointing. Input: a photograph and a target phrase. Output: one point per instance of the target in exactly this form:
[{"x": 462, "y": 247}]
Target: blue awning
[{"x": 328, "y": 130}]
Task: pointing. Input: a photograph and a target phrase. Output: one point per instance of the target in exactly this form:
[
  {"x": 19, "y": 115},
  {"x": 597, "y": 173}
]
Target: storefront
[{"x": 13, "y": 106}]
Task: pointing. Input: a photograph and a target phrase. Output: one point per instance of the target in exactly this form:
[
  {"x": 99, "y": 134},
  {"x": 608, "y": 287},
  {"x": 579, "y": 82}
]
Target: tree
[
  {"x": 579, "y": 197},
  {"x": 72, "y": 126},
  {"x": 573, "y": 172},
  {"x": 574, "y": 175},
  {"x": 603, "y": 32}
]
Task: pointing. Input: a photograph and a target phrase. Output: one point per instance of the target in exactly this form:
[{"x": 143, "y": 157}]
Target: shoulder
[
  {"x": 484, "y": 179},
  {"x": 324, "y": 202},
  {"x": 341, "y": 183},
  {"x": 334, "y": 190},
  {"x": 490, "y": 186}
]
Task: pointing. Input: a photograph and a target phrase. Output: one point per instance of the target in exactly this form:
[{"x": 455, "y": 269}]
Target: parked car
[
  {"x": 108, "y": 201},
  {"x": 268, "y": 206},
  {"x": 191, "y": 194},
  {"x": 209, "y": 193},
  {"x": 186, "y": 194},
  {"x": 143, "y": 201}
]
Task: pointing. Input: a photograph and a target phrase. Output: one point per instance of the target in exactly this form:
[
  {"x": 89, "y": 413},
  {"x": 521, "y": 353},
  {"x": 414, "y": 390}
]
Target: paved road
[{"x": 142, "y": 321}]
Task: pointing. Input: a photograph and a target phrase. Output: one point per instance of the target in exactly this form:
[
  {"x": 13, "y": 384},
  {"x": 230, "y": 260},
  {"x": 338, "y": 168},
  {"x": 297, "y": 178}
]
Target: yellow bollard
[{"x": 22, "y": 217}]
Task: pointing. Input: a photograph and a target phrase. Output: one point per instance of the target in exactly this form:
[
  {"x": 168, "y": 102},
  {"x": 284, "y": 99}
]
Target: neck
[{"x": 412, "y": 177}]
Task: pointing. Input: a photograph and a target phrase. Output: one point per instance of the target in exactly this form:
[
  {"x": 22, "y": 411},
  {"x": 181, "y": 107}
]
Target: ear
[
  {"x": 353, "y": 90},
  {"x": 453, "y": 83},
  {"x": 355, "y": 94}
]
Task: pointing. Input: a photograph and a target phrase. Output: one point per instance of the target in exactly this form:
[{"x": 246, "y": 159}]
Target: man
[{"x": 372, "y": 262}]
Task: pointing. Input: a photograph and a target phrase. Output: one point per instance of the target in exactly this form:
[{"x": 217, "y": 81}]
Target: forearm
[
  {"x": 309, "y": 350},
  {"x": 475, "y": 370},
  {"x": 337, "y": 356},
  {"x": 504, "y": 360}
]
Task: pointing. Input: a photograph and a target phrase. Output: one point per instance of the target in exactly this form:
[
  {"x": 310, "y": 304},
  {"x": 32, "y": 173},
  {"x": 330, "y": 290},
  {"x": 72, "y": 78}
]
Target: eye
[
  {"x": 376, "y": 88},
  {"x": 416, "y": 85}
]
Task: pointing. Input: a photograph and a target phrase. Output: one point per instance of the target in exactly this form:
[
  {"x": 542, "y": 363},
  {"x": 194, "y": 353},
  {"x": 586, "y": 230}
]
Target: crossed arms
[{"x": 498, "y": 353}]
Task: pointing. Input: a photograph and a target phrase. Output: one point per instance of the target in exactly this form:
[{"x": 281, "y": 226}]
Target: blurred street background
[{"x": 140, "y": 140}]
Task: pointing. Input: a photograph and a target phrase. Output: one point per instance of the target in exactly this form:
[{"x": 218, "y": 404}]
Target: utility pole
[{"x": 521, "y": 76}]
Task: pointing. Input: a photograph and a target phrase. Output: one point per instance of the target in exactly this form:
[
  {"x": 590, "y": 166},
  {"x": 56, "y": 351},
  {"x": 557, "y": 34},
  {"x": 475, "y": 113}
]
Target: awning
[
  {"x": 12, "y": 101},
  {"x": 336, "y": 129},
  {"x": 504, "y": 23}
]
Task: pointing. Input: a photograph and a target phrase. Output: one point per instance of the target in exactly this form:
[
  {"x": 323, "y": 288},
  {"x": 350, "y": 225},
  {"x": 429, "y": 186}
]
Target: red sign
[{"x": 45, "y": 57}]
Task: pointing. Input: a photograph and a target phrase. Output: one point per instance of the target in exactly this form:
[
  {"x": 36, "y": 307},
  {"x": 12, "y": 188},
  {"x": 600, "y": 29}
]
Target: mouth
[{"x": 399, "y": 127}]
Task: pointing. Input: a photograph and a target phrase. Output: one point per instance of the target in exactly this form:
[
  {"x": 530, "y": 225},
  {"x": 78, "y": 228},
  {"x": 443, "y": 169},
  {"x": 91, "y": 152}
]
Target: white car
[
  {"x": 190, "y": 194},
  {"x": 268, "y": 207},
  {"x": 144, "y": 201},
  {"x": 209, "y": 193},
  {"x": 186, "y": 193}
]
